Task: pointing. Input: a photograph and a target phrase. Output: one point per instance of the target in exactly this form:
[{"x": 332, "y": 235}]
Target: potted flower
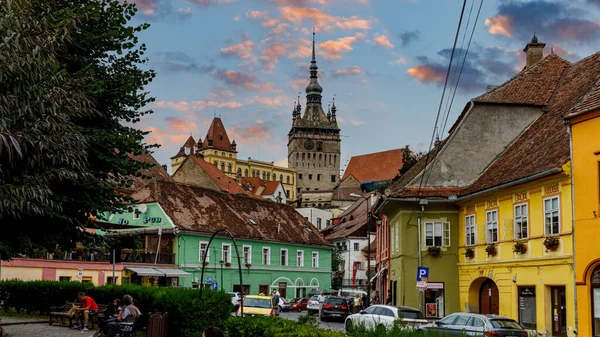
[
  {"x": 491, "y": 249},
  {"x": 227, "y": 264},
  {"x": 469, "y": 253},
  {"x": 434, "y": 251},
  {"x": 248, "y": 265},
  {"x": 205, "y": 263},
  {"x": 551, "y": 243},
  {"x": 520, "y": 247}
]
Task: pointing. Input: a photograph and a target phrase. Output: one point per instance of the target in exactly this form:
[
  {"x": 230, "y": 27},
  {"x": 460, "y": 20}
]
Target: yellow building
[
  {"x": 217, "y": 149},
  {"x": 584, "y": 121}
]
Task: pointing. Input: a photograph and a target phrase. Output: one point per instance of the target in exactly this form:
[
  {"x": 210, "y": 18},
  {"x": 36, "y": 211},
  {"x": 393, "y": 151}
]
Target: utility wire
[
  {"x": 462, "y": 12},
  {"x": 462, "y": 65}
]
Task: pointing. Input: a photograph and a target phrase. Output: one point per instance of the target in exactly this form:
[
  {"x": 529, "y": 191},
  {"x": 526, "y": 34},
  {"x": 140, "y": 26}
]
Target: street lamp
[
  {"x": 369, "y": 219},
  {"x": 221, "y": 263}
]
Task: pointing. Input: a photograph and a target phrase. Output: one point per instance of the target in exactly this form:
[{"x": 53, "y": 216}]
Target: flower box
[
  {"x": 491, "y": 249},
  {"x": 227, "y": 264},
  {"x": 469, "y": 253},
  {"x": 520, "y": 247},
  {"x": 434, "y": 251},
  {"x": 551, "y": 243}
]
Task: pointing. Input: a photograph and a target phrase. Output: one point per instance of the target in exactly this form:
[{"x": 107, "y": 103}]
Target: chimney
[
  {"x": 164, "y": 167},
  {"x": 534, "y": 51}
]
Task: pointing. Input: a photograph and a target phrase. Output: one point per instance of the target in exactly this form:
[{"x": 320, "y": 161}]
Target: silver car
[
  {"x": 314, "y": 306},
  {"x": 476, "y": 325},
  {"x": 406, "y": 318},
  {"x": 284, "y": 304}
]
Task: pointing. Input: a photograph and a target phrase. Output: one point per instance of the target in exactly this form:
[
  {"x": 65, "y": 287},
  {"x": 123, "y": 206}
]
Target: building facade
[
  {"x": 320, "y": 218},
  {"x": 218, "y": 150},
  {"x": 314, "y": 144},
  {"x": 584, "y": 120}
]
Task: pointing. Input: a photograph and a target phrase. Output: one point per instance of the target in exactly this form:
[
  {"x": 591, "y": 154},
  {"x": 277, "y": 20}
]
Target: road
[{"x": 330, "y": 325}]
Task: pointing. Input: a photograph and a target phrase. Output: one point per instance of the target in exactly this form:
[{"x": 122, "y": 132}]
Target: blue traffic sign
[
  {"x": 210, "y": 279},
  {"x": 422, "y": 273},
  {"x": 215, "y": 286}
]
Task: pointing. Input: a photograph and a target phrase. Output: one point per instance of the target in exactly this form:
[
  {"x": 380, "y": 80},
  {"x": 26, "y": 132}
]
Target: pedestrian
[
  {"x": 376, "y": 298},
  {"x": 321, "y": 297},
  {"x": 356, "y": 304},
  {"x": 275, "y": 301},
  {"x": 129, "y": 313},
  {"x": 87, "y": 307},
  {"x": 388, "y": 301},
  {"x": 212, "y": 331},
  {"x": 366, "y": 301}
]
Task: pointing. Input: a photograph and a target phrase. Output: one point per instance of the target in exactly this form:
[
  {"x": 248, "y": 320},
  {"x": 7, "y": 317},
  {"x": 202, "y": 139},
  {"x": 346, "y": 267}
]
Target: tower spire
[
  {"x": 314, "y": 59},
  {"x": 314, "y": 89}
]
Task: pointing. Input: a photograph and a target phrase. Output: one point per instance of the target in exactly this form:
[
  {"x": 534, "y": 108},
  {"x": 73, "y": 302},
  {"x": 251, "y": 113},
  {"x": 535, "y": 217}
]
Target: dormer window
[{"x": 252, "y": 221}]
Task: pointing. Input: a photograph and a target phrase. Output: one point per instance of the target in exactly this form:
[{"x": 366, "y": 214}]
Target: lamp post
[
  {"x": 369, "y": 219},
  {"x": 221, "y": 263}
]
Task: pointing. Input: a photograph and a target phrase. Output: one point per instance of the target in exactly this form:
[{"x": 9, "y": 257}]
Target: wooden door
[
  {"x": 559, "y": 311},
  {"x": 489, "y": 298},
  {"x": 282, "y": 289}
]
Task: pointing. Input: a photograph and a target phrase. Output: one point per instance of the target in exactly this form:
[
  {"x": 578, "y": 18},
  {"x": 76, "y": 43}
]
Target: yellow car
[{"x": 258, "y": 306}]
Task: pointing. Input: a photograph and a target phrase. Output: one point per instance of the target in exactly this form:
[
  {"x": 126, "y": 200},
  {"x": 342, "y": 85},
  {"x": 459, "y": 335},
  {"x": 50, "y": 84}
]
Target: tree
[
  {"x": 70, "y": 78},
  {"x": 409, "y": 159},
  {"x": 337, "y": 266}
]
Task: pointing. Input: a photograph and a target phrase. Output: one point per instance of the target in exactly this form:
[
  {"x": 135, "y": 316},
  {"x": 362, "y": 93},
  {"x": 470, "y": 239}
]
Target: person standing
[
  {"x": 356, "y": 304},
  {"x": 388, "y": 301},
  {"x": 366, "y": 301},
  {"x": 275, "y": 301},
  {"x": 87, "y": 307},
  {"x": 321, "y": 297}
]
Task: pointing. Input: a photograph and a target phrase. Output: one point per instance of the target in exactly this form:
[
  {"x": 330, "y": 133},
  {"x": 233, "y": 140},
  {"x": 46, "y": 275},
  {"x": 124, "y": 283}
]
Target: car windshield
[
  {"x": 505, "y": 324},
  {"x": 314, "y": 298},
  {"x": 257, "y": 303},
  {"x": 336, "y": 301},
  {"x": 232, "y": 295},
  {"x": 411, "y": 314}
]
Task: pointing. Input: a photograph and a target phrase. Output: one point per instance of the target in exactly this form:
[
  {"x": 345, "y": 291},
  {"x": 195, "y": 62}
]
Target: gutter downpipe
[{"x": 569, "y": 131}]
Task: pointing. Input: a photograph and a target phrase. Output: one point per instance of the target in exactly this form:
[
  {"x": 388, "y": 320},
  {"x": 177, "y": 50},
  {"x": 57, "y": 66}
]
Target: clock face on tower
[{"x": 308, "y": 144}]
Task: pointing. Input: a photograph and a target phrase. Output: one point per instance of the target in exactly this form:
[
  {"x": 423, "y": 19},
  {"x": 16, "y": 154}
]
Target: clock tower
[{"x": 314, "y": 144}]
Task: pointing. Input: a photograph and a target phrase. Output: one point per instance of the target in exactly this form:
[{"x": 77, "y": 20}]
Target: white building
[{"x": 320, "y": 218}]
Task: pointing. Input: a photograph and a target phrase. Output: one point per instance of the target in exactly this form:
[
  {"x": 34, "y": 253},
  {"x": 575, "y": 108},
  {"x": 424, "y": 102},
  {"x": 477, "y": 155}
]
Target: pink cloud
[
  {"x": 183, "y": 106},
  {"x": 237, "y": 17},
  {"x": 334, "y": 49},
  {"x": 382, "y": 41},
  {"x": 353, "y": 70},
  {"x": 499, "y": 25},
  {"x": 258, "y": 15},
  {"x": 401, "y": 60},
  {"x": 356, "y": 122},
  {"x": 146, "y": 6},
  {"x": 303, "y": 49},
  {"x": 273, "y": 52},
  {"x": 282, "y": 162},
  {"x": 426, "y": 73},
  {"x": 250, "y": 134},
  {"x": 180, "y": 125},
  {"x": 216, "y": 93},
  {"x": 269, "y": 102},
  {"x": 298, "y": 15},
  {"x": 299, "y": 84},
  {"x": 159, "y": 136},
  {"x": 242, "y": 50},
  {"x": 229, "y": 105}
]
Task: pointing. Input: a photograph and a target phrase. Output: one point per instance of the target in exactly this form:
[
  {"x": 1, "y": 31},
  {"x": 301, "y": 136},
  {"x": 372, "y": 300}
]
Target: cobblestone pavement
[
  {"x": 44, "y": 330},
  {"x": 337, "y": 326}
]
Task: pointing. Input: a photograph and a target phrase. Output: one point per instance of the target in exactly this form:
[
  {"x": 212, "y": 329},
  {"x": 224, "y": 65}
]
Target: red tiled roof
[
  {"x": 430, "y": 192},
  {"x": 155, "y": 171},
  {"x": 190, "y": 142},
  {"x": 193, "y": 208},
  {"x": 218, "y": 135},
  {"x": 545, "y": 144},
  {"x": 377, "y": 166},
  {"x": 352, "y": 222},
  {"x": 224, "y": 182},
  {"x": 270, "y": 187},
  {"x": 589, "y": 102}
]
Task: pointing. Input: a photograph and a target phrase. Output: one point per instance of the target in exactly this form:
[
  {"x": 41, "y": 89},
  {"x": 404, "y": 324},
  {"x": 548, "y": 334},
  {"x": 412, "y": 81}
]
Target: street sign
[
  {"x": 210, "y": 279},
  {"x": 79, "y": 273},
  {"x": 215, "y": 286},
  {"x": 421, "y": 285},
  {"x": 422, "y": 273}
]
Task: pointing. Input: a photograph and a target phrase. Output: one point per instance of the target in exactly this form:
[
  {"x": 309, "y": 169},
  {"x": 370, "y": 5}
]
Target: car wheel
[
  {"x": 348, "y": 325},
  {"x": 299, "y": 309}
]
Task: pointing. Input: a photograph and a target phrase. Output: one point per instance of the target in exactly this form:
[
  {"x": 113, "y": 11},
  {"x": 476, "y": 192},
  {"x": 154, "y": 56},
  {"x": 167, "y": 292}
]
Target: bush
[
  {"x": 273, "y": 327},
  {"x": 308, "y": 320},
  {"x": 188, "y": 315}
]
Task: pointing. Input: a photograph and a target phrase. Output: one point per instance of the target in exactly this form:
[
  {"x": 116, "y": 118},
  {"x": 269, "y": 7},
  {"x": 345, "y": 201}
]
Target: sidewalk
[{"x": 38, "y": 327}]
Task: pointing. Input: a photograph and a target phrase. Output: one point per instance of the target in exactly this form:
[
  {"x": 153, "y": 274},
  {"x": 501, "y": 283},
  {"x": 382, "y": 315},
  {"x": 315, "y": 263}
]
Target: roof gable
[
  {"x": 222, "y": 181},
  {"x": 218, "y": 135},
  {"x": 376, "y": 166},
  {"x": 193, "y": 208}
]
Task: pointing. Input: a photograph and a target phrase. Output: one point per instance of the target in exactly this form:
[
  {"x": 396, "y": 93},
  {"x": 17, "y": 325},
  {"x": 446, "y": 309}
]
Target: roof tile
[{"x": 376, "y": 166}]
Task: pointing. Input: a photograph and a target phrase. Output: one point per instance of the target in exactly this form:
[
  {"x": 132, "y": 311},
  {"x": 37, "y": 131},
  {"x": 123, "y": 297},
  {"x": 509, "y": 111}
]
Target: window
[
  {"x": 287, "y": 179},
  {"x": 264, "y": 176},
  {"x": 239, "y": 172},
  {"x": 287, "y": 193},
  {"x": 319, "y": 146},
  {"x": 527, "y": 307},
  {"x": 359, "y": 265},
  {"x": 300, "y": 258},
  {"x": 215, "y": 162},
  {"x": 203, "y": 248},
  {"x": 64, "y": 278},
  {"x": 356, "y": 246},
  {"x": 437, "y": 234},
  {"x": 229, "y": 167},
  {"x": 319, "y": 223},
  {"x": 315, "y": 259},
  {"x": 245, "y": 172},
  {"x": 266, "y": 256},
  {"x": 310, "y": 177},
  {"x": 397, "y": 230},
  {"x": 253, "y": 174},
  {"x": 300, "y": 176},
  {"x": 491, "y": 225},
  {"x": 281, "y": 178},
  {"x": 247, "y": 254},
  {"x": 318, "y": 177},
  {"x": 470, "y": 229},
  {"x": 268, "y": 176},
  {"x": 333, "y": 178},
  {"x": 552, "y": 215},
  {"x": 226, "y": 253},
  {"x": 521, "y": 221},
  {"x": 284, "y": 257},
  {"x": 223, "y": 167},
  {"x": 392, "y": 230}
]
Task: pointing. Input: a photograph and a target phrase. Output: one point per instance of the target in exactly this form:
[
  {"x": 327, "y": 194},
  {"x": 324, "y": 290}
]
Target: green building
[{"x": 278, "y": 248}]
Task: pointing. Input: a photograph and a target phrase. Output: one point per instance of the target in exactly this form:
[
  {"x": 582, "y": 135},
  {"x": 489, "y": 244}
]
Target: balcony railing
[
  {"x": 347, "y": 283},
  {"x": 134, "y": 257}
]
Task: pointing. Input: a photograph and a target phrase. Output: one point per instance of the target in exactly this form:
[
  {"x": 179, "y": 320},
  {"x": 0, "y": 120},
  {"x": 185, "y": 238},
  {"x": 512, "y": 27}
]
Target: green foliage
[
  {"x": 272, "y": 327},
  {"x": 395, "y": 331},
  {"x": 188, "y": 315},
  {"x": 337, "y": 264},
  {"x": 308, "y": 320},
  {"x": 71, "y": 75}
]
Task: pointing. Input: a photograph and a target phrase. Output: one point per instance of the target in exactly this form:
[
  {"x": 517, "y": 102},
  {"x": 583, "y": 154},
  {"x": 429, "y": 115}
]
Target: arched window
[
  {"x": 215, "y": 163},
  {"x": 253, "y": 174},
  {"x": 268, "y": 176},
  {"x": 281, "y": 177},
  {"x": 245, "y": 172},
  {"x": 595, "y": 298},
  {"x": 287, "y": 179},
  {"x": 222, "y": 166},
  {"x": 264, "y": 175},
  {"x": 239, "y": 172},
  {"x": 229, "y": 167}
]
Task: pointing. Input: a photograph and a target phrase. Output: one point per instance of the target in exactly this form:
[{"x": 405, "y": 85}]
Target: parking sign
[
  {"x": 215, "y": 286},
  {"x": 422, "y": 273}
]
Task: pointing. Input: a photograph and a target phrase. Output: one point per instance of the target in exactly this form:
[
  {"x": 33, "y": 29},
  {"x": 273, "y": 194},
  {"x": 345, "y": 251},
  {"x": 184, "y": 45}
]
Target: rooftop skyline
[{"x": 385, "y": 63}]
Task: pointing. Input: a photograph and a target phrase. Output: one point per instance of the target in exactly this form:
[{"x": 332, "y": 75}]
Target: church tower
[{"x": 314, "y": 144}]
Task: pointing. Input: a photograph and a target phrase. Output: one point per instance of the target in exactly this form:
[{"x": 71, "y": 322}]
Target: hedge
[{"x": 188, "y": 315}]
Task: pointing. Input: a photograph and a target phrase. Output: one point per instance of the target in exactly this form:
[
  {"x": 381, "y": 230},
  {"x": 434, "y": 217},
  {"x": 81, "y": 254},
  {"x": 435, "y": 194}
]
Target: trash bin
[{"x": 158, "y": 324}]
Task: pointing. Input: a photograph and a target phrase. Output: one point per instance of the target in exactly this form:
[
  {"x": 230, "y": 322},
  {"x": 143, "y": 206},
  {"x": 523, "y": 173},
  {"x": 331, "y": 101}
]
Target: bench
[{"x": 62, "y": 313}]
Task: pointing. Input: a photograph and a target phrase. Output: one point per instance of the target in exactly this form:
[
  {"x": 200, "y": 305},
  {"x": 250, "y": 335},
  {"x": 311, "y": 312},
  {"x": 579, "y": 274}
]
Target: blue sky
[{"x": 384, "y": 60}]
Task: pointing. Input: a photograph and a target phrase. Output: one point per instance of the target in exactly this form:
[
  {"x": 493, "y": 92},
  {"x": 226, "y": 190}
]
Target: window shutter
[
  {"x": 446, "y": 234},
  {"x": 480, "y": 235},
  {"x": 509, "y": 229}
]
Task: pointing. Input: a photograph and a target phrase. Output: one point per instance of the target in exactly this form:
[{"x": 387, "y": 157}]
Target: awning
[
  {"x": 173, "y": 272},
  {"x": 144, "y": 271},
  {"x": 377, "y": 275}
]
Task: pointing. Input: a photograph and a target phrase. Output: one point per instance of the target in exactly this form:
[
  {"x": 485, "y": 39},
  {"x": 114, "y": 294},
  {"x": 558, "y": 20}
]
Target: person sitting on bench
[
  {"x": 130, "y": 313},
  {"x": 87, "y": 306}
]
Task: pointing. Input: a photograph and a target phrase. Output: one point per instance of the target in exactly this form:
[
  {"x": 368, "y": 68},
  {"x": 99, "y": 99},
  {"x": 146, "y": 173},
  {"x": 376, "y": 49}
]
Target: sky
[{"x": 384, "y": 62}]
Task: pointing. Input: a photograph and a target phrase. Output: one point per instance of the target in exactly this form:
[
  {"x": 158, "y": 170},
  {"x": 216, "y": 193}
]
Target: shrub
[
  {"x": 273, "y": 327},
  {"x": 308, "y": 320}
]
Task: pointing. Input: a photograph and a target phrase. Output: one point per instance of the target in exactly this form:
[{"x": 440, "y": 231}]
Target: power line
[{"x": 437, "y": 118}]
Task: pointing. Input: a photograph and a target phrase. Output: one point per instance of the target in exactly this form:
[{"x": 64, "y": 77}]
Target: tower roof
[
  {"x": 218, "y": 135},
  {"x": 190, "y": 142}
]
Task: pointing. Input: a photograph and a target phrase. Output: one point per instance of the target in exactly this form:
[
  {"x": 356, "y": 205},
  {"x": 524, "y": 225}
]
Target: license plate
[{"x": 335, "y": 314}]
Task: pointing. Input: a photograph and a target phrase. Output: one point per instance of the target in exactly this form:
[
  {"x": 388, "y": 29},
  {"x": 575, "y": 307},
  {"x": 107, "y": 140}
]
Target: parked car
[
  {"x": 235, "y": 300},
  {"x": 299, "y": 304},
  {"x": 284, "y": 304},
  {"x": 313, "y": 306},
  {"x": 257, "y": 306},
  {"x": 477, "y": 325},
  {"x": 335, "y": 307},
  {"x": 386, "y": 315}
]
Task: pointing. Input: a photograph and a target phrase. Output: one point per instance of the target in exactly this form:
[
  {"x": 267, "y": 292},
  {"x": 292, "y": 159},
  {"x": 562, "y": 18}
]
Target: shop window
[
  {"x": 526, "y": 305},
  {"x": 434, "y": 300},
  {"x": 64, "y": 278}
]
